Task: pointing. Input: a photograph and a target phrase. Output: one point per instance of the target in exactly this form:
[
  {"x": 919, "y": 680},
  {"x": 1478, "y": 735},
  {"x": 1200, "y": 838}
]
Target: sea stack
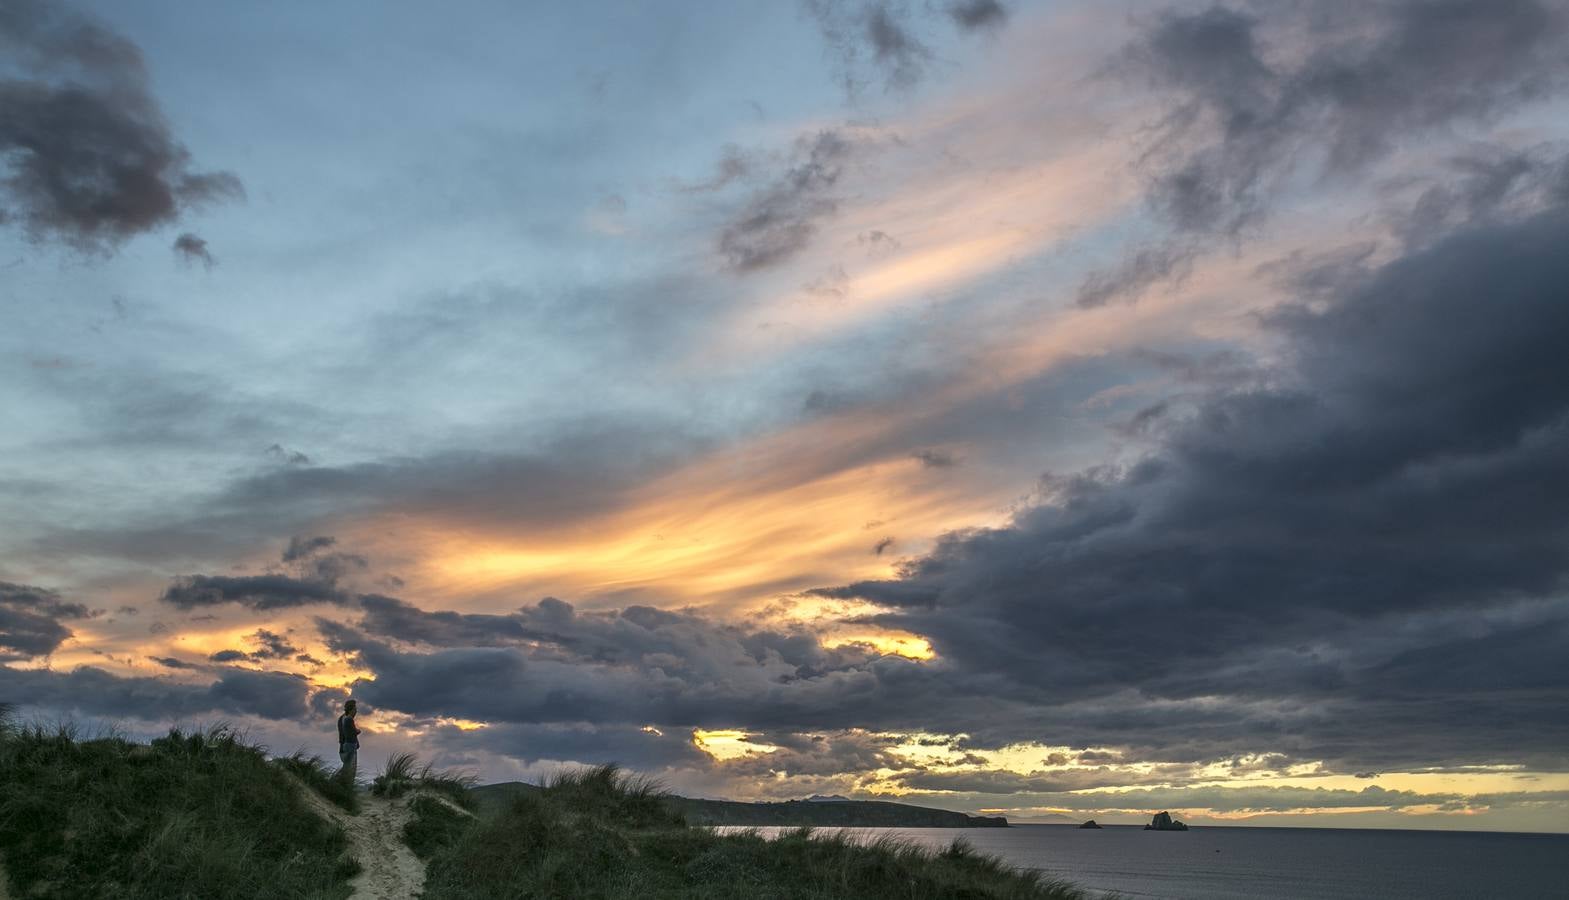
[
  {"x": 1090, "y": 824},
  {"x": 1164, "y": 822}
]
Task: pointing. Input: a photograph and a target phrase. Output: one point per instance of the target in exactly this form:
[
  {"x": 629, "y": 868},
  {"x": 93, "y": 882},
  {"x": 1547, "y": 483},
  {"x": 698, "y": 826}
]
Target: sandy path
[{"x": 389, "y": 870}]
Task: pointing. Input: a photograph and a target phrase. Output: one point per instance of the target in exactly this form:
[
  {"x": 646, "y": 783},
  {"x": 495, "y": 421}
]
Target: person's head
[{"x": 348, "y": 709}]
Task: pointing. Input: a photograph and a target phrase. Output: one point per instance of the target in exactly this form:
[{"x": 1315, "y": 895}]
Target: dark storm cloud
[
  {"x": 30, "y": 621},
  {"x": 1247, "y": 113},
  {"x": 89, "y": 156},
  {"x": 193, "y": 249},
  {"x": 779, "y": 221},
  {"x": 635, "y": 666},
  {"x": 228, "y": 656},
  {"x": 1368, "y": 541},
  {"x": 270, "y": 645},
  {"x": 1377, "y": 74},
  {"x": 641, "y": 748},
  {"x": 640, "y": 636},
  {"x": 91, "y": 691},
  {"x": 314, "y": 577},
  {"x": 817, "y": 754},
  {"x": 170, "y": 662},
  {"x": 271, "y": 695},
  {"x": 258, "y": 592}
]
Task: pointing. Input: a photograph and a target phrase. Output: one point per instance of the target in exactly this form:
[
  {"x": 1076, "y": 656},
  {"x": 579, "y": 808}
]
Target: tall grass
[
  {"x": 321, "y": 778},
  {"x": 404, "y": 774},
  {"x": 204, "y": 814},
  {"x": 191, "y": 815},
  {"x": 601, "y": 833}
]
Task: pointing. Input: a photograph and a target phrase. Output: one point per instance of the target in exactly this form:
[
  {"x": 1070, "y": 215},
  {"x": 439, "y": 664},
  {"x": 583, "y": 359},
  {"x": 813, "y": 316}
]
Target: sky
[{"x": 1053, "y": 409}]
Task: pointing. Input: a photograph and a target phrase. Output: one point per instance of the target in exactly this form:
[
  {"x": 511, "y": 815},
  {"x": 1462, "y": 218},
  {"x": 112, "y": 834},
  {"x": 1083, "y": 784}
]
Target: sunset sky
[{"x": 1050, "y": 409}]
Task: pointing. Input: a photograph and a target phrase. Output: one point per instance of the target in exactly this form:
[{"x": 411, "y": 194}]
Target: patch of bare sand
[{"x": 389, "y": 870}]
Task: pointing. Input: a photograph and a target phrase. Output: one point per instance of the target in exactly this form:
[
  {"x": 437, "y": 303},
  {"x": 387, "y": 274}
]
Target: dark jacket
[{"x": 348, "y": 732}]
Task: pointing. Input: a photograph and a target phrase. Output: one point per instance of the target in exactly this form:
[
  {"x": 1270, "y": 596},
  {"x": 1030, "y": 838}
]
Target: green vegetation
[
  {"x": 404, "y": 774},
  {"x": 322, "y": 779},
  {"x": 191, "y": 815},
  {"x": 433, "y": 826},
  {"x": 599, "y": 833},
  {"x": 200, "y": 815}
]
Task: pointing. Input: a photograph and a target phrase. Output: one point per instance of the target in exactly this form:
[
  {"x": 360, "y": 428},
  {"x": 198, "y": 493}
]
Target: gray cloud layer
[
  {"x": 1246, "y": 114},
  {"x": 1377, "y": 74},
  {"x": 92, "y": 691},
  {"x": 89, "y": 157}
]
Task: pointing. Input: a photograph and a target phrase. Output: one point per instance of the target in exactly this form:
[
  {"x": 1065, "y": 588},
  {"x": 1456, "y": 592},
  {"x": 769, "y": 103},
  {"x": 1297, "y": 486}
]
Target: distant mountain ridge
[{"x": 832, "y": 811}]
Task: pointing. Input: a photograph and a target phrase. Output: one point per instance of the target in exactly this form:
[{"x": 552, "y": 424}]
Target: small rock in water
[{"x": 1163, "y": 821}]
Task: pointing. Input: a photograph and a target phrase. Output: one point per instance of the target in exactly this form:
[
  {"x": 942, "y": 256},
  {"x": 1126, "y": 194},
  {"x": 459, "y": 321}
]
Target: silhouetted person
[{"x": 348, "y": 743}]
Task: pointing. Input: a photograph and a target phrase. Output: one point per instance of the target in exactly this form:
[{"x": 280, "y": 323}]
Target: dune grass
[
  {"x": 323, "y": 779},
  {"x": 190, "y": 815},
  {"x": 433, "y": 826},
  {"x": 599, "y": 833},
  {"x": 206, "y": 815},
  {"x": 404, "y": 774}
]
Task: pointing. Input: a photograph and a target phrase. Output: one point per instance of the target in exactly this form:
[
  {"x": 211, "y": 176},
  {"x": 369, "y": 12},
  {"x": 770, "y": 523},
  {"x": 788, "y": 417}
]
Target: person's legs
[{"x": 349, "y": 755}]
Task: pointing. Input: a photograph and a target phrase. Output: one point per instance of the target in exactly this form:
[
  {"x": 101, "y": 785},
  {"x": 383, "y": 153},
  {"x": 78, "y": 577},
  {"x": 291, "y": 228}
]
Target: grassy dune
[
  {"x": 206, "y": 815},
  {"x": 187, "y": 816}
]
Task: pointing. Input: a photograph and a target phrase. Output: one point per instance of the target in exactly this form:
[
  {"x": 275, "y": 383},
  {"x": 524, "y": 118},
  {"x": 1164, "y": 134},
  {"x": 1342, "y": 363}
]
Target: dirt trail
[{"x": 389, "y": 870}]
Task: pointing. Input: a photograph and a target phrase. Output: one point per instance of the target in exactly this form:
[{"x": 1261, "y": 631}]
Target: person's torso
[{"x": 346, "y": 731}]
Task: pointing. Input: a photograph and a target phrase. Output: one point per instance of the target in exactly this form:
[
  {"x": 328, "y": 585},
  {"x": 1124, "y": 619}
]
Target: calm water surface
[{"x": 1309, "y": 863}]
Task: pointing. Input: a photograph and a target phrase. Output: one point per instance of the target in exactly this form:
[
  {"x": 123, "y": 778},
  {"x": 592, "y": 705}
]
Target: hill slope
[{"x": 188, "y": 816}]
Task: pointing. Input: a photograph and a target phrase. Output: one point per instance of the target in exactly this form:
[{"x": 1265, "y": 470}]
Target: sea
[{"x": 1217, "y": 863}]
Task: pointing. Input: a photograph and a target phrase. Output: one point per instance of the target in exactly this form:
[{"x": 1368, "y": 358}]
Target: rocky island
[{"x": 1164, "y": 822}]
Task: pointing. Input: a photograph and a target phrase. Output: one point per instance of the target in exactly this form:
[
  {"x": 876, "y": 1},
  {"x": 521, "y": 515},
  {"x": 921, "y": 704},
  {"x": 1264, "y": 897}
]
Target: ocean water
[{"x": 1209, "y": 863}]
